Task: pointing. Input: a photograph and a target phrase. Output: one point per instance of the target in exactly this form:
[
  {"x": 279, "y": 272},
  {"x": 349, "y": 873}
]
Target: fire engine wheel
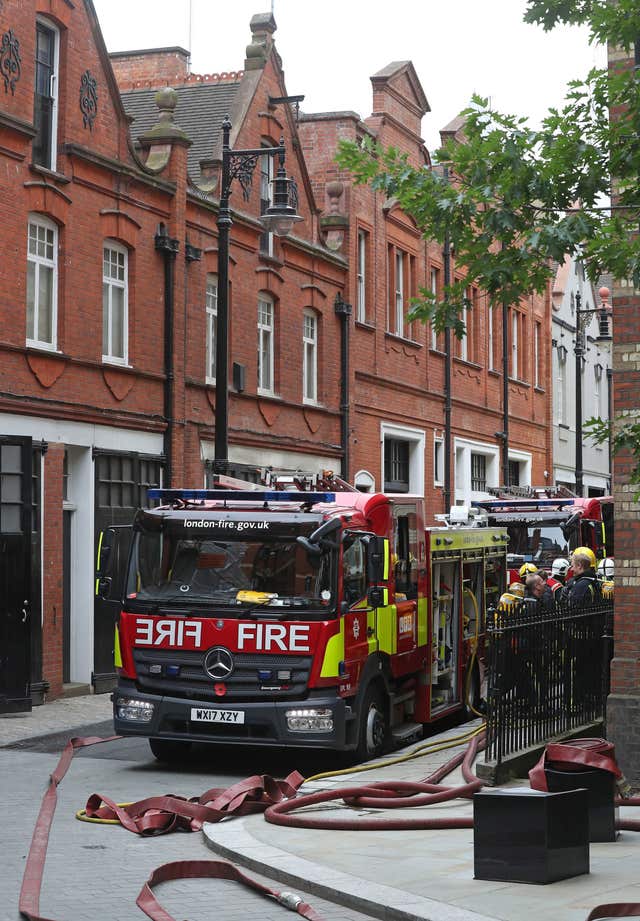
[
  {"x": 170, "y": 751},
  {"x": 373, "y": 730}
]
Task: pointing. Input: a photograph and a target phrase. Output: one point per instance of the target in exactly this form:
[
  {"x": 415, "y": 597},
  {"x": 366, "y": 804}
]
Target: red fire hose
[
  {"x": 389, "y": 795},
  {"x": 278, "y": 799}
]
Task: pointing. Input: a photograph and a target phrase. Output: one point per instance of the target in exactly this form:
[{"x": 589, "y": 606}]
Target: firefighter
[
  {"x": 605, "y": 575},
  {"x": 525, "y": 570},
  {"x": 530, "y": 569},
  {"x": 584, "y": 587},
  {"x": 605, "y": 569},
  {"x": 536, "y": 587},
  {"x": 560, "y": 569},
  {"x": 518, "y": 677}
]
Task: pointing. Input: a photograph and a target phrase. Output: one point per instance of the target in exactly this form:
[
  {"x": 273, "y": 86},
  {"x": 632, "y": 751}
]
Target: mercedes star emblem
[{"x": 218, "y": 663}]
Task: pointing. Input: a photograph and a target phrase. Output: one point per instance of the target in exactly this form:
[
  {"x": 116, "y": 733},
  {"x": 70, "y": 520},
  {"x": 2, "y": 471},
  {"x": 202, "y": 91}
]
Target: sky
[{"x": 331, "y": 49}]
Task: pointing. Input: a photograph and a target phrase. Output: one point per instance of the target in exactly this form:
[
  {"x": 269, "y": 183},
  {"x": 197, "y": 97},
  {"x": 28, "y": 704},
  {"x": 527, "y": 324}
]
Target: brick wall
[
  {"x": 99, "y": 191},
  {"x": 623, "y": 707},
  {"x": 157, "y": 67}
]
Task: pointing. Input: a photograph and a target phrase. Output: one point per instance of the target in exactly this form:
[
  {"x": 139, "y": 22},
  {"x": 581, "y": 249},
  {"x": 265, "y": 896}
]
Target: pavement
[{"x": 408, "y": 875}]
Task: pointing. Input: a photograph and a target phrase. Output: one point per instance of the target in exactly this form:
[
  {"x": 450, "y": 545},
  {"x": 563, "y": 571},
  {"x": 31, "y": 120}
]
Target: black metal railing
[{"x": 547, "y": 672}]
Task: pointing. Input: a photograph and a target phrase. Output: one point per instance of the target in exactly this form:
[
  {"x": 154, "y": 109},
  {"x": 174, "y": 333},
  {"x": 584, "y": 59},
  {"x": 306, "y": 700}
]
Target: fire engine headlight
[
  {"x": 128, "y": 708},
  {"x": 312, "y": 720}
]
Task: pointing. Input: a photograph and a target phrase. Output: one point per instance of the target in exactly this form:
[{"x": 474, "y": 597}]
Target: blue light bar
[{"x": 257, "y": 496}]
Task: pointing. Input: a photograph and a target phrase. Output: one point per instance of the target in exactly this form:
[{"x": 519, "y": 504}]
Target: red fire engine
[
  {"x": 545, "y": 524},
  {"x": 326, "y": 618}
]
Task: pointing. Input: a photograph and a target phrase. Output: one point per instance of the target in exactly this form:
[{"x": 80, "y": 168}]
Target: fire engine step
[{"x": 406, "y": 732}]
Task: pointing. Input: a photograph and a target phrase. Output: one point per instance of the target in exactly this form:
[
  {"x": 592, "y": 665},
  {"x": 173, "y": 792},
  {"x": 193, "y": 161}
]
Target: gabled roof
[
  {"x": 398, "y": 69},
  {"x": 200, "y": 112}
]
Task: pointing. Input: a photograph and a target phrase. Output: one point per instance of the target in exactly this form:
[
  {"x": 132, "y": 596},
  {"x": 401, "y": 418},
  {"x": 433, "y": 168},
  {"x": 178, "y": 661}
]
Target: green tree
[{"x": 513, "y": 198}]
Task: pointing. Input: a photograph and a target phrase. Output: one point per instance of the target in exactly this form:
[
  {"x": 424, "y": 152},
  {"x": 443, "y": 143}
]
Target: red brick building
[
  {"x": 398, "y": 368},
  {"x": 623, "y": 705},
  {"x": 109, "y": 318},
  {"x": 107, "y": 330}
]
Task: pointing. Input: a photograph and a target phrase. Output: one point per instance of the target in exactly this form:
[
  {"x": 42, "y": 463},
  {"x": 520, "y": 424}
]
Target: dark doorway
[
  {"x": 15, "y": 573},
  {"x": 122, "y": 481}
]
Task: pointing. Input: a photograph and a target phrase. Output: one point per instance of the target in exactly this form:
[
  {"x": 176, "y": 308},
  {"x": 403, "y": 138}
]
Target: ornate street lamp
[
  {"x": 583, "y": 321},
  {"x": 279, "y": 219}
]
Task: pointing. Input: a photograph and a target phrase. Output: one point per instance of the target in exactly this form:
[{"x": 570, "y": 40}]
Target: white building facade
[{"x": 573, "y": 291}]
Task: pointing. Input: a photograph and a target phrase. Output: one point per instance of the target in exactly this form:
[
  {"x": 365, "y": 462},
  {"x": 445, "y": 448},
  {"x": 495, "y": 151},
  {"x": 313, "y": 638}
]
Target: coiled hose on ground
[{"x": 404, "y": 794}]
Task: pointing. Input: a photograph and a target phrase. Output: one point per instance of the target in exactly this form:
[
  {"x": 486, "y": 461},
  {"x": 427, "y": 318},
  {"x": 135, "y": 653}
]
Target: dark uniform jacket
[{"x": 582, "y": 589}]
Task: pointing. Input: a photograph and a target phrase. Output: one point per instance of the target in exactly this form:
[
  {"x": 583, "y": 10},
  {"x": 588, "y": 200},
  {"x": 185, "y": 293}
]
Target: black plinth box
[
  {"x": 528, "y": 836},
  {"x": 601, "y": 787}
]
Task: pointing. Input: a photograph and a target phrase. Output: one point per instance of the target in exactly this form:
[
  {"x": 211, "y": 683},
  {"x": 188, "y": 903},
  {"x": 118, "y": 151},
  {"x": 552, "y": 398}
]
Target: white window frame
[
  {"x": 464, "y": 342},
  {"x": 55, "y": 80},
  {"x": 417, "y": 442},
  {"x": 525, "y": 460},
  {"x": 515, "y": 367},
  {"x": 463, "y": 449},
  {"x": 266, "y": 196},
  {"x": 490, "y": 364},
  {"x": 361, "y": 310},
  {"x": 438, "y": 460},
  {"x": 211, "y": 310},
  {"x": 123, "y": 285},
  {"x": 434, "y": 291},
  {"x": 536, "y": 354},
  {"x": 561, "y": 385},
  {"x": 266, "y": 344},
  {"x": 597, "y": 390},
  {"x": 399, "y": 292},
  {"x": 42, "y": 223},
  {"x": 309, "y": 356}
]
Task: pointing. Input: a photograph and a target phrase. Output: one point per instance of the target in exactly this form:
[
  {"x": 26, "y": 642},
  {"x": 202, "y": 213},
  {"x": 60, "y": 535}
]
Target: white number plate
[{"x": 202, "y": 715}]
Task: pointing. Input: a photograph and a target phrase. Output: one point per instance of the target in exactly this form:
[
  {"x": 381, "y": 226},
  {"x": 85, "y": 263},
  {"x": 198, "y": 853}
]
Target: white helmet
[
  {"x": 560, "y": 568},
  {"x": 605, "y": 568}
]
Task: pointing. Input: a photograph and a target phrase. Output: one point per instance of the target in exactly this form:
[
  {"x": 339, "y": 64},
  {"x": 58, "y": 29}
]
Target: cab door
[
  {"x": 15, "y": 573},
  {"x": 360, "y": 638}
]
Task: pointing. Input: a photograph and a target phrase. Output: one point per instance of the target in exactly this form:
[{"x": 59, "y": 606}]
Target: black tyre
[
  {"x": 169, "y": 751},
  {"x": 373, "y": 725}
]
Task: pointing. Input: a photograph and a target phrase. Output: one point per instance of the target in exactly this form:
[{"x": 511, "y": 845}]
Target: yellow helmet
[
  {"x": 507, "y": 601},
  {"x": 527, "y": 569},
  {"x": 517, "y": 589},
  {"x": 588, "y": 552}
]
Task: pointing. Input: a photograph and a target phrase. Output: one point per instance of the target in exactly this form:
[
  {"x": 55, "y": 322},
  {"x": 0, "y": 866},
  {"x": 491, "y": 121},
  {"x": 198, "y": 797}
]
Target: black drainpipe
[
  {"x": 504, "y": 434},
  {"x": 169, "y": 249},
  {"x": 343, "y": 311}
]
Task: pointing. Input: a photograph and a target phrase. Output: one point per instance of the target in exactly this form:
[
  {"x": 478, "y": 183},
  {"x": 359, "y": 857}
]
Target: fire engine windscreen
[
  {"x": 539, "y": 544},
  {"x": 274, "y": 571}
]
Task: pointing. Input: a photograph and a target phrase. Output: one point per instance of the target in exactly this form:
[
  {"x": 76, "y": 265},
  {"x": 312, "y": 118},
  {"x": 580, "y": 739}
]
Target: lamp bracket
[{"x": 242, "y": 164}]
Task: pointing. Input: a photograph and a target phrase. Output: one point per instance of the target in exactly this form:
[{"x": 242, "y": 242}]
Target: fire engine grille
[{"x": 254, "y": 676}]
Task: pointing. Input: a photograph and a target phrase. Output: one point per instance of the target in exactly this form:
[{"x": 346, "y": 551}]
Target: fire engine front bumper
[{"x": 322, "y": 720}]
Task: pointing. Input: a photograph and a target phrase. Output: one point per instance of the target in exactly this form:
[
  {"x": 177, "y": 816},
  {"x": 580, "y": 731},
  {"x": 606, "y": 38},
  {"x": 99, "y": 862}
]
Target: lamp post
[
  {"x": 583, "y": 320},
  {"x": 446, "y": 264},
  {"x": 278, "y": 219}
]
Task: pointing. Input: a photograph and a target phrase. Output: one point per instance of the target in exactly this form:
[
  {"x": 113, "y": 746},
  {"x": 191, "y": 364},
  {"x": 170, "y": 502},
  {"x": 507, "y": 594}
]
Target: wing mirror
[
  {"x": 319, "y": 541},
  {"x": 568, "y": 526},
  {"x": 378, "y": 559}
]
